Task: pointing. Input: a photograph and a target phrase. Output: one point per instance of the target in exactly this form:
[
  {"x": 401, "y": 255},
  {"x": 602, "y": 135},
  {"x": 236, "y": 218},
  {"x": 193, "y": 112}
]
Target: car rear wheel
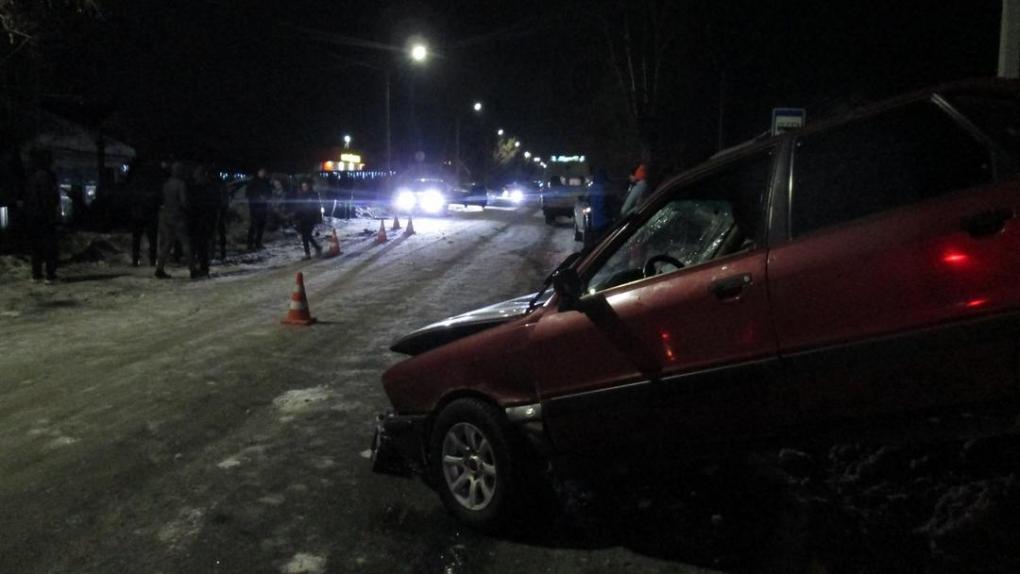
[{"x": 474, "y": 460}]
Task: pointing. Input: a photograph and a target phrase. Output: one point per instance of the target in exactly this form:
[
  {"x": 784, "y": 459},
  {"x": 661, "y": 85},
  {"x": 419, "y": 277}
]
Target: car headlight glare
[
  {"x": 432, "y": 201},
  {"x": 405, "y": 200}
]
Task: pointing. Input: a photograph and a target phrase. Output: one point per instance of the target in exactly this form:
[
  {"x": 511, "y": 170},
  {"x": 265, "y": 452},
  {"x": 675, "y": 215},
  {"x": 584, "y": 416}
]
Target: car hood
[{"x": 460, "y": 326}]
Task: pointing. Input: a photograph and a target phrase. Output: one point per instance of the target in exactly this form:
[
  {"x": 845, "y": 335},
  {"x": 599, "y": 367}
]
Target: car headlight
[
  {"x": 405, "y": 200},
  {"x": 516, "y": 195},
  {"x": 432, "y": 201}
]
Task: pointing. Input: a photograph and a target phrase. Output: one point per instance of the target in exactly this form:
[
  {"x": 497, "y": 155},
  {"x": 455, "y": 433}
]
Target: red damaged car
[{"x": 861, "y": 273}]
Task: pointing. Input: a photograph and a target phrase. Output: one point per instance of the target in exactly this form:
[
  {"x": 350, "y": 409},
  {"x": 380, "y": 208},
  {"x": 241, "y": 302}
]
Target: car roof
[{"x": 986, "y": 86}]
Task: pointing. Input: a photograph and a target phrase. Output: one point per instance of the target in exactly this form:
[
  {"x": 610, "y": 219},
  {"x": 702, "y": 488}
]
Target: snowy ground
[{"x": 177, "y": 426}]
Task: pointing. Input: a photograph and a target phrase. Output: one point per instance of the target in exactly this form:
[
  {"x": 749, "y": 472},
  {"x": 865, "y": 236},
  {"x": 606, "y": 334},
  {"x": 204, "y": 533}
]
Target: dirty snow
[{"x": 303, "y": 563}]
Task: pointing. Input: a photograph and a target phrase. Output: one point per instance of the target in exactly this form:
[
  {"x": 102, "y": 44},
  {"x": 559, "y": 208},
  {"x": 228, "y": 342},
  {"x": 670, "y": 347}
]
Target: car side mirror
[{"x": 567, "y": 285}]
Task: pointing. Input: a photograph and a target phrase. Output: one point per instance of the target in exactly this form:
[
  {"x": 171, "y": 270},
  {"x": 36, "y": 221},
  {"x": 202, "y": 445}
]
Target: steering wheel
[{"x": 649, "y": 268}]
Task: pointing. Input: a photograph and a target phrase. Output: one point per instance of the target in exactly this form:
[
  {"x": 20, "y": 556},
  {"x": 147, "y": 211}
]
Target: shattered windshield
[{"x": 688, "y": 230}]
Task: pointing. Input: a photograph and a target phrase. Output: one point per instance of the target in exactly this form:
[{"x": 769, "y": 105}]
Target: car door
[
  {"x": 672, "y": 338},
  {"x": 903, "y": 257}
]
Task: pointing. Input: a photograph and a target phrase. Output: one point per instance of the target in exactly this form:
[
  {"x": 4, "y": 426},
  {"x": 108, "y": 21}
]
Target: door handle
[
  {"x": 729, "y": 288},
  {"x": 987, "y": 222}
]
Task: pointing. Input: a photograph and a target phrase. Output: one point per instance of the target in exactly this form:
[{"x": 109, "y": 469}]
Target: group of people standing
[
  {"x": 603, "y": 208},
  {"x": 305, "y": 208},
  {"x": 182, "y": 212},
  {"x": 176, "y": 211}
]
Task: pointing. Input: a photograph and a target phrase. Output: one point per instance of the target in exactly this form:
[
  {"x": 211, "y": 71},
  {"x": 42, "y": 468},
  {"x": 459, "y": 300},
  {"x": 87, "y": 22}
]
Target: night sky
[{"x": 275, "y": 81}]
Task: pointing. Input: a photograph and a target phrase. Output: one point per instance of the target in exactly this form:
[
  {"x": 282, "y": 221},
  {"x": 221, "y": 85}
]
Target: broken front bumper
[{"x": 398, "y": 447}]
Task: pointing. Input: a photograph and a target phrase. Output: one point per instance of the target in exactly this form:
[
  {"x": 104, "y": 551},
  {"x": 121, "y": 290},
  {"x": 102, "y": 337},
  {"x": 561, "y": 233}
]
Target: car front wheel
[{"x": 474, "y": 463}]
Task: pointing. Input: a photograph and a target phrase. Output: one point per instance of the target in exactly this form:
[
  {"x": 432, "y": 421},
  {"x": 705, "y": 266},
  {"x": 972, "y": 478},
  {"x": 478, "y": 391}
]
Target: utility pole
[
  {"x": 1009, "y": 40},
  {"x": 389, "y": 138},
  {"x": 456, "y": 147}
]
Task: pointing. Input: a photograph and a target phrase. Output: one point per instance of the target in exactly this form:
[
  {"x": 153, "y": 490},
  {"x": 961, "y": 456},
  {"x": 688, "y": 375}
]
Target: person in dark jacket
[
  {"x": 12, "y": 185},
  {"x": 601, "y": 217},
  {"x": 307, "y": 213},
  {"x": 42, "y": 206},
  {"x": 225, "y": 193},
  {"x": 173, "y": 222},
  {"x": 258, "y": 191},
  {"x": 203, "y": 201},
  {"x": 144, "y": 183}
]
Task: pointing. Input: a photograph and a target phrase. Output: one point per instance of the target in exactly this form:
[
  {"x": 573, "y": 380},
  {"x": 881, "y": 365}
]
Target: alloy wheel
[{"x": 469, "y": 466}]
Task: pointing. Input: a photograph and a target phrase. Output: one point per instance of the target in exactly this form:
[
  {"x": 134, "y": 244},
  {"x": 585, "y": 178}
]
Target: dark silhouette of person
[
  {"x": 258, "y": 191},
  {"x": 12, "y": 185},
  {"x": 145, "y": 181},
  {"x": 42, "y": 208},
  {"x": 173, "y": 223},
  {"x": 307, "y": 213},
  {"x": 203, "y": 202},
  {"x": 601, "y": 216},
  {"x": 224, "y": 192}
]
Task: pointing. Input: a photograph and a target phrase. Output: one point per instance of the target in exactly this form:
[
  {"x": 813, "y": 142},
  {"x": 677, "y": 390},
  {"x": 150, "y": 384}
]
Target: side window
[
  {"x": 998, "y": 116},
  {"x": 894, "y": 159},
  {"x": 717, "y": 215}
]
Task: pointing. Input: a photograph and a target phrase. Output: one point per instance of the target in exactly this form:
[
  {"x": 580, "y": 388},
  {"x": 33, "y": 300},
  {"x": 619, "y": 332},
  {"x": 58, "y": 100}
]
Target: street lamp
[
  {"x": 419, "y": 52},
  {"x": 477, "y": 107},
  {"x": 517, "y": 143},
  {"x": 347, "y": 141},
  {"x": 527, "y": 155},
  {"x": 499, "y": 132}
]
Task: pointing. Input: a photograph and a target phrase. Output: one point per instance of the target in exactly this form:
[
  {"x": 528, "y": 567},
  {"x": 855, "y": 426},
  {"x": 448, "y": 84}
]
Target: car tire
[
  {"x": 550, "y": 218},
  {"x": 578, "y": 236},
  {"x": 475, "y": 464}
]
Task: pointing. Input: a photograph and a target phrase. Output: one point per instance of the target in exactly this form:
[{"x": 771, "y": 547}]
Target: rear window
[{"x": 997, "y": 116}]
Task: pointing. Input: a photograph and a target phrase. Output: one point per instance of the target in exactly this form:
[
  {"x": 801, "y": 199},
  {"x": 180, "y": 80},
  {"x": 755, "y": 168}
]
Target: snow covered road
[{"x": 177, "y": 426}]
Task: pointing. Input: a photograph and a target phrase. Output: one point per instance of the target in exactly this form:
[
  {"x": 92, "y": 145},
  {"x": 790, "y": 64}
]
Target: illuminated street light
[
  {"x": 517, "y": 144},
  {"x": 477, "y": 107},
  {"x": 347, "y": 141},
  {"x": 499, "y": 132},
  {"x": 537, "y": 160},
  {"x": 527, "y": 155},
  {"x": 419, "y": 52}
]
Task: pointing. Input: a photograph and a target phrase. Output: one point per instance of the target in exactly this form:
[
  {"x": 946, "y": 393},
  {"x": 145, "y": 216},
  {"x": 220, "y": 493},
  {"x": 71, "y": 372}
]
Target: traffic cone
[
  {"x": 381, "y": 236},
  {"x": 298, "y": 313},
  {"x": 334, "y": 246},
  {"x": 396, "y": 223},
  {"x": 410, "y": 226}
]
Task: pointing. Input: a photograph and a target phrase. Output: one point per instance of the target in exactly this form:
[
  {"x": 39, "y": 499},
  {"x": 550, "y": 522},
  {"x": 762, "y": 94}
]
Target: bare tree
[
  {"x": 640, "y": 36},
  {"x": 20, "y": 19}
]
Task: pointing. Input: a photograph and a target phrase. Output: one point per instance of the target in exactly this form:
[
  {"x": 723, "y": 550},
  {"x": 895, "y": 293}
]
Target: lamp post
[
  {"x": 477, "y": 107},
  {"x": 418, "y": 53}
]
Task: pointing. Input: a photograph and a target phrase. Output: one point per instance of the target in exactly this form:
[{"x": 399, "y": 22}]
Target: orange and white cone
[
  {"x": 299, "y": 313},
  {"x": 334, "y": 246},
  {"x": 410, "y": 226},
  {"x": 381, "y": 236},
  {"x": 396, "y": 223}
]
